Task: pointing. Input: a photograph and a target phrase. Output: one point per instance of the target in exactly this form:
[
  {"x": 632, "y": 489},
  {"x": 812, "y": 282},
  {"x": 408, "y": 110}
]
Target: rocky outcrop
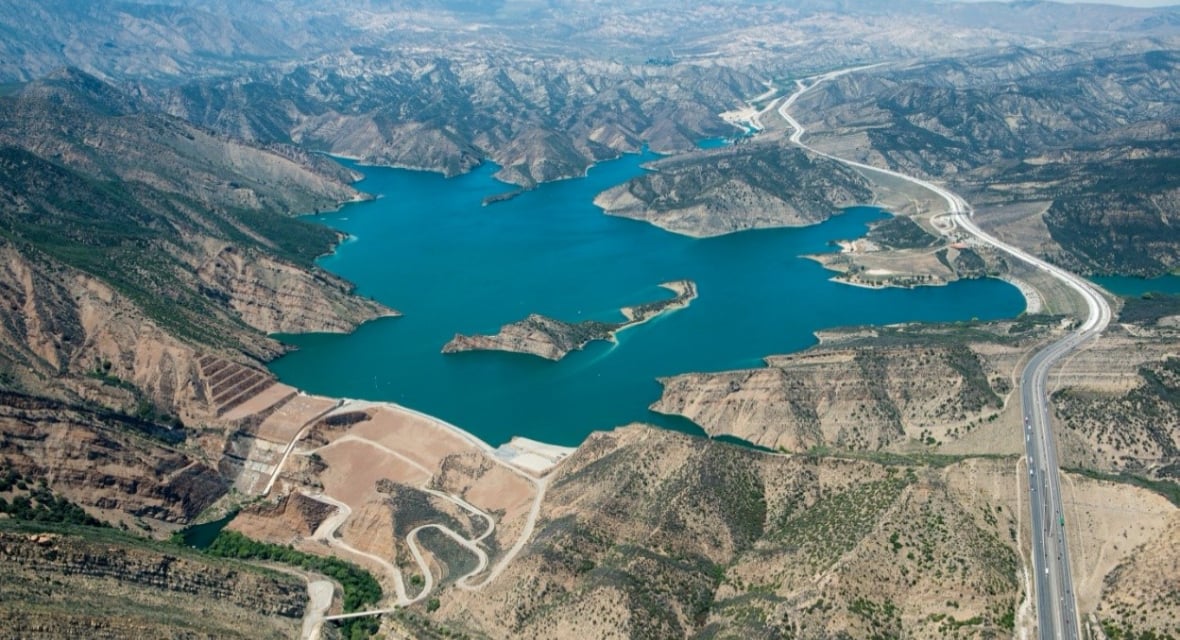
[
  {"x": 96, "y": 129},
  {"x": 117, "y": 466},
  {"x": 747, "y": 186},
  {"x": 538, "y": 118},
  {"x": 113, "y": 586},
  {"x": 537, "y": 335},
  {"x": 129, "y": 252},
  {"x": 553, "y": 339},
  {"x": 277, "y": 297},
  {"x": 141, "y": 264},
  {"x": 69, "y": 335},
  {"x": 293, "y": 514},
  {"x": 1083, "y": 139}
]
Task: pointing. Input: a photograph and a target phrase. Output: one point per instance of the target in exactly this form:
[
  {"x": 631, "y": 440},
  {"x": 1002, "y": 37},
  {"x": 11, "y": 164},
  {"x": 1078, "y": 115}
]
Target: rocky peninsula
[
  {"x": 553, "y": 339},
  {"x": 756, "y": 185}
]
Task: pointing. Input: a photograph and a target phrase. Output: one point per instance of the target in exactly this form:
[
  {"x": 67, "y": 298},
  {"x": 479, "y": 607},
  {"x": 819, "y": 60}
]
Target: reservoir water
[
  {"x": 428, "y": 249},
  {"x": 1128, "y": 286}
]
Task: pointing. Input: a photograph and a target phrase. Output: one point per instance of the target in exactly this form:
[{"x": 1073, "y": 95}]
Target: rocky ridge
[
  {"x": 539, "y": 117},
  {"x": 123, "y": 469},
  {"x": 98, "y": 233},
  {"x": 647, "y": 533}
]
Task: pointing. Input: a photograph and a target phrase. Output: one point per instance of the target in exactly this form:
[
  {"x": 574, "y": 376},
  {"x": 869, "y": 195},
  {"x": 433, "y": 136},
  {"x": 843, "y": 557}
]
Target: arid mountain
[
  {"x": 111, "y": 585},
  {"x": 163, "y": 40},
  {"x": 143, "y": 260},
  {"x": 85, "y": 165},
  {"x": 894, "y": 388},
  {"x": 153, "y": 154},
  {"x": 78, "y": 121}
]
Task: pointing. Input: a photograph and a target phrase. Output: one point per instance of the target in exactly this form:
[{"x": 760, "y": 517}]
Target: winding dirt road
[{"x": 327, "y": 531}]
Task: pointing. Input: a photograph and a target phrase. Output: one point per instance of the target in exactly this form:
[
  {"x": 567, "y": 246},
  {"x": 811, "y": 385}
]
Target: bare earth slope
[
  {"x": 649, "y": 534},
  {"x": 646, "y": 533}
]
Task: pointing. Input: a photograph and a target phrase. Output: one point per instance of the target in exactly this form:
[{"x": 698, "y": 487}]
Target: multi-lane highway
[{"x": 1056, "y": 602}]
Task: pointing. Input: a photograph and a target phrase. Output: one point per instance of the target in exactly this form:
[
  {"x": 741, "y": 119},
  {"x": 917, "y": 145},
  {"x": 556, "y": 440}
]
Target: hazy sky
[
  {"x": 1128, "y": 3},
  {"x": 1125, "y": 3}
]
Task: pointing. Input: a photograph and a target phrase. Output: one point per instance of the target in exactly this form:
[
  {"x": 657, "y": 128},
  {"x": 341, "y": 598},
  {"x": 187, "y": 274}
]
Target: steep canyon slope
[{"x": 136, "y": 250}]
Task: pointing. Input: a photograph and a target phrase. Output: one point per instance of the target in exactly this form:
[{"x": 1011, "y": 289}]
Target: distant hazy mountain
[{"x": 169, "y": 40}]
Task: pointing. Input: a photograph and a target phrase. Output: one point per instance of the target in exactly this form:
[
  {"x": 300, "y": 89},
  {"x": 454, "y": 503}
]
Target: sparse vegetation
[
  {"x": 1149, "y": 308},
  {"x": 901, "y": 232},
  {"x": 832, "y": 526},
  {"x": 1165, "y": 488},
  {"x": 1135, "y": 426}
]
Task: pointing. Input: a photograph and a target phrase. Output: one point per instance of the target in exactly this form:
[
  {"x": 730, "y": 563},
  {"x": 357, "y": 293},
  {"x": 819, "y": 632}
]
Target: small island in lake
[{"x": 552, "y": 339}]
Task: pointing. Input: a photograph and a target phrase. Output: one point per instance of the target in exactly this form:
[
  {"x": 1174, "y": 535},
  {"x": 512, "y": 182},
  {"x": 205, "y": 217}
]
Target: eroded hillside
[
  {"x": 133, "y": 241},
  {"x": 894, "y": 388},
  {"x": 645, "y": 533},
  {"x": 107, "y": 585}
]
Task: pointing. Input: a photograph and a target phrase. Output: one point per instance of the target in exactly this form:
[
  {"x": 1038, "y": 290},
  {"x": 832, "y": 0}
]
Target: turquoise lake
[{"x": 428, "y": 248}]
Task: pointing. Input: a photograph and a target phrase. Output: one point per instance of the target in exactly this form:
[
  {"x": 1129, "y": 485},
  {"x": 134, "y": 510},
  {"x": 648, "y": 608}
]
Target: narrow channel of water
[
  {"x": 203, "y": 535},
  {"x": 1131, "y": 287}
]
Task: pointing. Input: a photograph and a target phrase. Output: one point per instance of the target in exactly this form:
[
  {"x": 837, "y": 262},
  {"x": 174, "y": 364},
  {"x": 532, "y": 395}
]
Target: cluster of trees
[
  {"x": 360, "y": 588},
  {"x": 40, "y": 504}
]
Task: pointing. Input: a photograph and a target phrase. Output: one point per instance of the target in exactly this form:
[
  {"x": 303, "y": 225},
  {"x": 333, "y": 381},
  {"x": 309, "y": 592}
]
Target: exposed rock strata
[
  {"x": 96, "y": 129},
  {"x": 115, "y": 587},
  {"x": 277, "y": 297},
  {"x": 142, "y": 262},
  {"x": 537, "y": 335},
  {"x": 552, "y": 118},
  {"x": 1086, "y": 138},
  {"x": 554, "y": 339},
  {"x": 1118, "y": 403},
  {"x": 116, "y": 278},
  {"x": 116, "y": 466}
]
